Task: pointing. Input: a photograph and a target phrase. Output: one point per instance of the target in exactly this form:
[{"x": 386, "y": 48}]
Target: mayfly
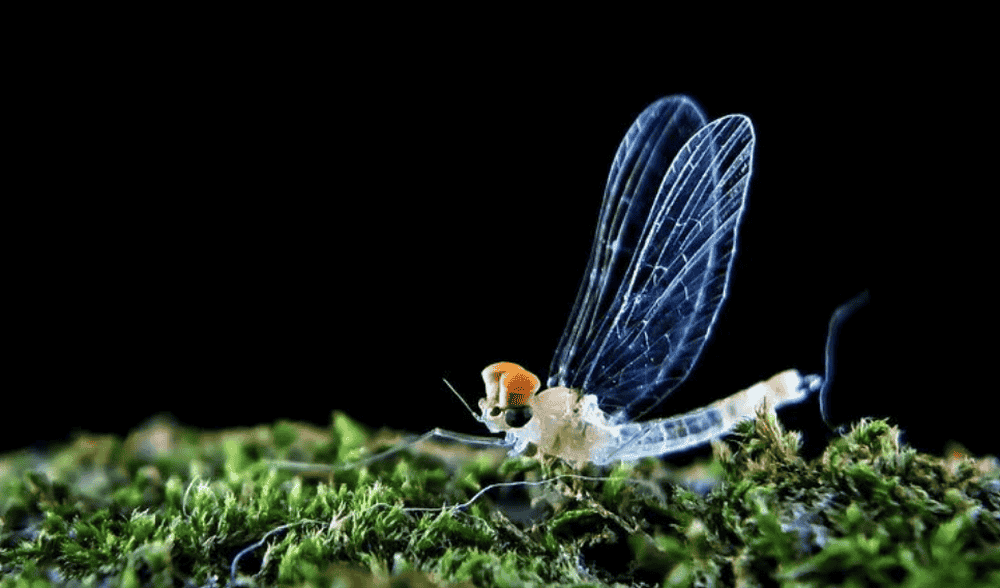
[{"x": 657, "y": 277}]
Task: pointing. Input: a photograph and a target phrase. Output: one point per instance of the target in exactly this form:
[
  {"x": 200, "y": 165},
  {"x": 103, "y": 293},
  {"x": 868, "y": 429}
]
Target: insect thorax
[{"x": 563, "y": 422}]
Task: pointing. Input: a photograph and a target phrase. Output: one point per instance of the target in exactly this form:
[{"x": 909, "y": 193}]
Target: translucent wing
[{"x": 659, "y": 267}]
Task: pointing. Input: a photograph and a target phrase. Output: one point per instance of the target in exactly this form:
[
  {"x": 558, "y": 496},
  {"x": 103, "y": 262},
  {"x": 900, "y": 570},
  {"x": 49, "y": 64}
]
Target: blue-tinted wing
[{"x": 659, "y": 267}]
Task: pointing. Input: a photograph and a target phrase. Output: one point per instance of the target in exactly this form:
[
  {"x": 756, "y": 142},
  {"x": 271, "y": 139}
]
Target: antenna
[{"x": 467, "y": 407}]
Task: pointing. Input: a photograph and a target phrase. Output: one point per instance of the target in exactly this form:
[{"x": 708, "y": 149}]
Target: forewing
[
  {"x": 659, "y": 268},
  {"x": 640, "y": 163}
]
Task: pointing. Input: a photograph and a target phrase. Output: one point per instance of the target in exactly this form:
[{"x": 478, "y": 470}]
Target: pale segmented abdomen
[{"x": 661, "y": 436}]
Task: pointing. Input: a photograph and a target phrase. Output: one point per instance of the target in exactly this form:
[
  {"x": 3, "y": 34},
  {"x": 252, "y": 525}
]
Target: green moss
[{"x": 170, "y": 506}]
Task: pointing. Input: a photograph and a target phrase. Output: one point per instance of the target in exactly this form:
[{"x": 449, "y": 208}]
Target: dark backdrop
[{"x": 240, "y": 243}]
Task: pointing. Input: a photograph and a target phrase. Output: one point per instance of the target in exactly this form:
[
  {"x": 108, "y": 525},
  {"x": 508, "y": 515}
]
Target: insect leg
[{"x": 435, "y": 433}]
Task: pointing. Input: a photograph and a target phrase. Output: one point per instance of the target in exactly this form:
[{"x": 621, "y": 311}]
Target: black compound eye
[{"x": 517, "y": 417}]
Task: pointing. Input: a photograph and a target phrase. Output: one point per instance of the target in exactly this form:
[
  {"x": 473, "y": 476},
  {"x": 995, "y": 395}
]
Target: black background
[{"x": 235, "y": 240}]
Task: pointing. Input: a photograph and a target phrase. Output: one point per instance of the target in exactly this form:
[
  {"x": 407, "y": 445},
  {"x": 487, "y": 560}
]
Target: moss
[{"x": 170, "y": 506}]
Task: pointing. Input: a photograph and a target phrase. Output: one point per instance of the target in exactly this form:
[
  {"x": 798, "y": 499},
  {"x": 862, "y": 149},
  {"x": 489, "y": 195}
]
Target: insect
[{"x": 657, "y": 277}]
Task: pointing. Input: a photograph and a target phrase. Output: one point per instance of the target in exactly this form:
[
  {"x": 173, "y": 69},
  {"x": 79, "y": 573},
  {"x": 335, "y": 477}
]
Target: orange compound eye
[{"x": 518, "y": 383}]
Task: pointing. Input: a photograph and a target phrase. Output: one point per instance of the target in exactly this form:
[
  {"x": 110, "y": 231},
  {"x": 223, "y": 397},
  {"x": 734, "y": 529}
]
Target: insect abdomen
[
  {"x": 694, "y": 428},
  {"x": 668, "y": 435}
]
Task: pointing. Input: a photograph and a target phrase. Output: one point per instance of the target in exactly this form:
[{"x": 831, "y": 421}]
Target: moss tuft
[{"x": 171, "y": 506}]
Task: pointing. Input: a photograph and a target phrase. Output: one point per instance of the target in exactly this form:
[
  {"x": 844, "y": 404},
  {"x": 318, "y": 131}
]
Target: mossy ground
[{"x": 170, "y": 506}]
